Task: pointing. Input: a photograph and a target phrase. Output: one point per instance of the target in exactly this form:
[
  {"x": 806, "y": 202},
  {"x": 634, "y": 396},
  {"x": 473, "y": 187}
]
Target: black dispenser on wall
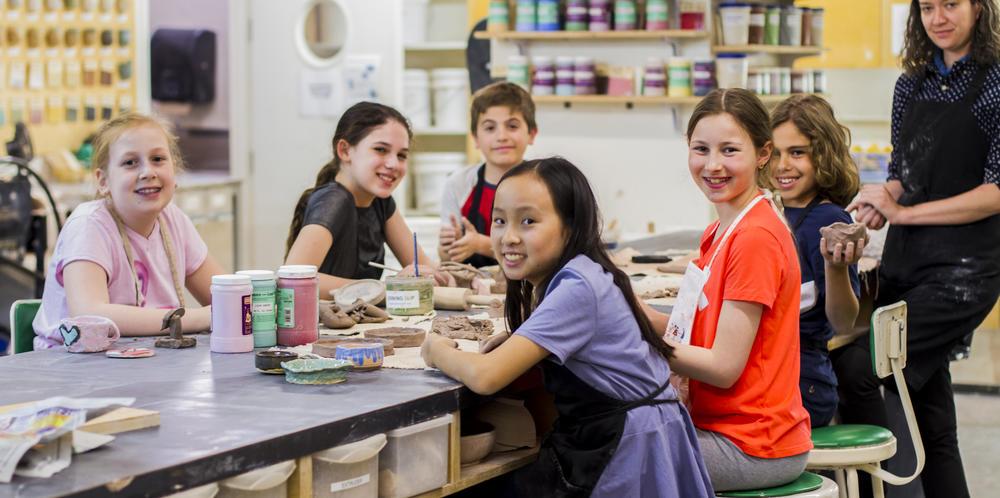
[{"x": 183, "y": 65}]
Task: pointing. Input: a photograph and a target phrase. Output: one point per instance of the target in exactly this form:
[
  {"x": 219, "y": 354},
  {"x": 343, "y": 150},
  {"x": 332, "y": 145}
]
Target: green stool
[
  {"x": 846, "y": 449},
  {"x": 808, "y": 485},
  {"x": 22, "y": 335}
]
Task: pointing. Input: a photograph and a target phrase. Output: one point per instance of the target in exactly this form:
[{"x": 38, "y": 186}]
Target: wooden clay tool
[{"x": 458, "y": 299}]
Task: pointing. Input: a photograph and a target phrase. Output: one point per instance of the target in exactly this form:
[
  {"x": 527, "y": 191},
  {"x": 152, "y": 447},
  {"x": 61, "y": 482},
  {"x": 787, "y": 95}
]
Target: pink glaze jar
[
  {"x": 232, "y": 328},
  {"x": 298, "y": 305}
]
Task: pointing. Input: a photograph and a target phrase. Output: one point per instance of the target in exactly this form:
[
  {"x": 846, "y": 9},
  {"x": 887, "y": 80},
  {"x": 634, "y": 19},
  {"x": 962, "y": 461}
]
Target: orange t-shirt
[{"x": 762, "y": 412}]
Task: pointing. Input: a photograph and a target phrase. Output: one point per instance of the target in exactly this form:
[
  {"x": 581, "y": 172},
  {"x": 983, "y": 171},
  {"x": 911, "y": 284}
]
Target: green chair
[
  {"x": 808, "y": 485},
  {"x": 22, "y": 335},
  {"x": 848, "y": 448}
]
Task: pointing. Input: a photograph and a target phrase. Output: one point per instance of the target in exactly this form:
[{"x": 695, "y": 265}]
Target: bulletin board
[{"x": 66, "y": 66}]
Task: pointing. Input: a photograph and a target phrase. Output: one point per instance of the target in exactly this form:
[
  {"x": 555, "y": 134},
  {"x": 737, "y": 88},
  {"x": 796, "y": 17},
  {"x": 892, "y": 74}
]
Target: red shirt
[
  {"x": 485, "y": 205},
  {"x": 762, "y": 412}
]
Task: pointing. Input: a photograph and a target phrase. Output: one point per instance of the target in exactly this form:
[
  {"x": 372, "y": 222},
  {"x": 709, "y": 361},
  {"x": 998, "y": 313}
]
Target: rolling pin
[{"x": 459, "y": 299}]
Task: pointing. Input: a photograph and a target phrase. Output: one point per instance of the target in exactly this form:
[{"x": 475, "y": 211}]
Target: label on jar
[
  {"x": 350, "y": 483},
  {"x": 247, "y": 315},
  {"x": 402, "y": 300},
  {"x": 286, "y": 308},
  {"x": 263, "y": 309}
]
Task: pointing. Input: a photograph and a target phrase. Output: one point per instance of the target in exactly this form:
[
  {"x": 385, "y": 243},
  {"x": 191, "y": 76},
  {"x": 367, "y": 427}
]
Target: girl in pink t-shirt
[{"x": 129, "y": 254}]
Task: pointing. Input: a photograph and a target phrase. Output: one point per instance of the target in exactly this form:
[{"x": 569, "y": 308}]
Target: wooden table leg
[{"x": 300, "y": 485}]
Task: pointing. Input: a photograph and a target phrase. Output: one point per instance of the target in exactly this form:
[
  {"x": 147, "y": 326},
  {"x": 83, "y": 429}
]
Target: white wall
[{"x": 212, "y": 15}]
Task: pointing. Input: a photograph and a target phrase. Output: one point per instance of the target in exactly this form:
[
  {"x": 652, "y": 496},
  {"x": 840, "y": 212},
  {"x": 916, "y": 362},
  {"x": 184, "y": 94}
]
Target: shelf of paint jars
[
  {"x": 595, "y": 15},
  {"x": 592, "y": 35},
  {"x": 773, "y": 25},
  {"x": 767, "y": 49},
  {"x": 636, "y": 100}
]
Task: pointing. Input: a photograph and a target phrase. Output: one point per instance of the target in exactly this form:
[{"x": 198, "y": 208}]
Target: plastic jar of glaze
[
  {"x": 735, "y": 23},
  {"x": 298, "y": 305},
  {"x": 791, "y": 26},
  {"x": 498, "y": 19},
  {"x": 626, "y": 18},
  {"x": 772, "y": 25},
  {"x": 576, "y": 15},
  {"x": 802, "y": 81},
  {"x": 703, "y": 76},
  {"x": 758, "y": 14},
  {"x": 232, "y": 327},
  {"x": 657, "y": 18},
  {"x": 517, "y": 71},
  {"x": 584, "y": 79},
  {"x": 785, "y": 78},
  {"x": 679, "y": 72},
  {"x": 819, "y": 81},
  {"x": 807, "y": 20},
  {"x": 599, "y": 15},
  {"x": 754, "y": 82},
  {"x": 547, "y": 15},
  {"x": 564, "y": 75},
  {"x": 818, "y": 26},
  {"x": 544, "y": 80},
  {"x": 731, "y": 70},
  {"x": 654, "y": 78},
  {"x": 527, "y": 17},
  {"x": 409, "y": 295},
  {"x": 692, "y": 14},
  {"x": 265, "y": 288}
]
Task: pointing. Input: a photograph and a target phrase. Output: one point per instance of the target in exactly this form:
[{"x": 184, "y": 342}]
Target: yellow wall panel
[{"x": 853, "y": 33}]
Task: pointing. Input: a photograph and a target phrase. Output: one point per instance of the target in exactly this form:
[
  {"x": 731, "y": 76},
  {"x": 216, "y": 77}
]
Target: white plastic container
[
  {"x": 735, "y": 23},
  {"x": 431, "y": 172},
  {"x": 348, "y": 471},
  {"x": 451, "y": 98},
  {"x": 415, "y": 460},
  {"x": 731, "y": 70},
  {"x": 415, "y": 21},
  {"x": 417, "y": 97},
  {"x": 268, "y": 482}
]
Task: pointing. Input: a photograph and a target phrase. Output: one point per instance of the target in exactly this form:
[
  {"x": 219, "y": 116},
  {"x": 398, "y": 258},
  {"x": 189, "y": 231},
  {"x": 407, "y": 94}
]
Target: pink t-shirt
[{"x": 90, "y": 234}]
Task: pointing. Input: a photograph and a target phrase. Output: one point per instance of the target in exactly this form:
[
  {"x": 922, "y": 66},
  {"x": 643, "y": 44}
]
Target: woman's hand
[
  {"x": 841, "y": 255},
  {"x": 881, "y": 200},
  {"x": 431, "y": 342}
]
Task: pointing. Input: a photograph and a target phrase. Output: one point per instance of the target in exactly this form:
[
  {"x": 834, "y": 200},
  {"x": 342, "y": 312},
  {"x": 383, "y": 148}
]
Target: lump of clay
[
  {"x": 843, "y": 233},
  {"x": 362, "y": 312},
  {"x": 463, "y": 273},
  {"x": 461, "y": 327},
  {"x": 333, "y": 317}
]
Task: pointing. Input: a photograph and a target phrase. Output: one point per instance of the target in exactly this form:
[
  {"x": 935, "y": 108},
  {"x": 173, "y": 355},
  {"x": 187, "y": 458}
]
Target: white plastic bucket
[
  {"x": 735, "y": 23},
  {"x": 268, "y": 482},
  {"x": 431, "y": 172},
  {"x": 348, "y": 471},
  {"x": 415, "y": 21},
  {"x": 451, "y": 98},
  {"x": 415, "y": 460},
  {"x": 417, "y": 97}
]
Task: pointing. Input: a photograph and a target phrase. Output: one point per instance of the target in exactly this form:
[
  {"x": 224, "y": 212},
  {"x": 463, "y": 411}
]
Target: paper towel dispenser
[{"x": 183, "y": 65}]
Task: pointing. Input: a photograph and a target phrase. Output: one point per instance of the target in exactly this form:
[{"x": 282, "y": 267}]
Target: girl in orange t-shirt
[{"x": 735, "y": 327}]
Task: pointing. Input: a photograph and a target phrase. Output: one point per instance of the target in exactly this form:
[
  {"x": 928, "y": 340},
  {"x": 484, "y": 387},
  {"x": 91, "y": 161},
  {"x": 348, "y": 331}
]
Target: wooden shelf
[
  {"x": 438, "y": 132},
  {"x": 766, "y": 49},
  {"x": 613, "y": 100},
  {"x": 590, "y": 35},
  {"x": 493, "y": 466}
]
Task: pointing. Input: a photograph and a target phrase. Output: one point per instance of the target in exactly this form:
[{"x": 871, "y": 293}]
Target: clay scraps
[
  {"x": 335, "y": 317},
  {"x": 462, "y": 327}
]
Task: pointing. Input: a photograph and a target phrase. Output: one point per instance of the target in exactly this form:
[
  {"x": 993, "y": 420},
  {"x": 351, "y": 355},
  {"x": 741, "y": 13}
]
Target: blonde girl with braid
[{"x": 129, "y": 254}]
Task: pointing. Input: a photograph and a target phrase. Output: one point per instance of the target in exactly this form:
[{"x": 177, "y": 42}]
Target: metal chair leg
[
  {"x": 841, "y": 479},
  {"x": 878, "y": 488},
  {"x": 852, "y": 483}
]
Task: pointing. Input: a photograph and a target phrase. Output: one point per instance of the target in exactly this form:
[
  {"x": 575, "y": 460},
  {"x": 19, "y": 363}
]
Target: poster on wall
[{"x": 327, "y": 92}]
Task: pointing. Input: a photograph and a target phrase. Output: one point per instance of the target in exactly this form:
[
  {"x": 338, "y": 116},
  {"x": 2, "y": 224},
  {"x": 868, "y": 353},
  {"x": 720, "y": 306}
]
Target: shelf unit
[
  {"x": 592, "y": 35},
  {"x": 437, "y": 46},
  {"x": 767, "y": 49},
  {"x": 631, "y": 100}
]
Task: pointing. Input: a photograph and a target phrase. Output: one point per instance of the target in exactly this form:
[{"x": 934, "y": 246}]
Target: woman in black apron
[{"x": 942, "y": 201}]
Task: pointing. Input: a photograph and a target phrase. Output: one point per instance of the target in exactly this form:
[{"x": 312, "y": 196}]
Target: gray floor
[{"x": 979, "y": 441}]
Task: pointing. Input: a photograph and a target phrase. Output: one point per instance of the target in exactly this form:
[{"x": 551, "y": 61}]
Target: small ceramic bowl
[
  {"x": 327, "y": 346},
  {"x": 477, "y": 441},
  {"x": 269, "y": 361},
  {"x": 364, "y": 356},
  {"x": 316, "y": 370}
]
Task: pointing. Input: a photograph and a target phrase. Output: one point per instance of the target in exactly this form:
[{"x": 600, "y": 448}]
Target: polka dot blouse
[{"x": 950, "y": 86}]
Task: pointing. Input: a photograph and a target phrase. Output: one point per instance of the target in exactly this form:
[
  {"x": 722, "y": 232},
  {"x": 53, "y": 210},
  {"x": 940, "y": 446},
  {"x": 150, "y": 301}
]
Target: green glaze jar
[
  {"x": 409, "y": 295},
  {"x": 265, "y": 328}
]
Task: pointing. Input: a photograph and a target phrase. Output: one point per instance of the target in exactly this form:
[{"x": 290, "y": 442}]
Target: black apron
[
  {"x": 583, "y": 439},
  {"x": 477, "y": 220},
  {"x": 949, "y": 275}
]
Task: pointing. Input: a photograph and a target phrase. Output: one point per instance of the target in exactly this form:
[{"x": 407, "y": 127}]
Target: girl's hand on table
[
  {"x": 431, "y": 342},
  {"x": 492, "y": 342}
]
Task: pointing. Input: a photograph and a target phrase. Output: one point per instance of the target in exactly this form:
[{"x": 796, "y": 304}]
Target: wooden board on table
[{"x": 123, "y": 419}]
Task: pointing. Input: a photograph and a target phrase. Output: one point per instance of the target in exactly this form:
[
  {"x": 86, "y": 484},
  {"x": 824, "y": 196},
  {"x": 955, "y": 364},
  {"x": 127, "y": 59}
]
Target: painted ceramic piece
[
  {"x": 327, "y": 346},
  {"x": 316, "y": 370},
  {"x": 269, "y": 362},
  {"x": 364, "y": 356}
]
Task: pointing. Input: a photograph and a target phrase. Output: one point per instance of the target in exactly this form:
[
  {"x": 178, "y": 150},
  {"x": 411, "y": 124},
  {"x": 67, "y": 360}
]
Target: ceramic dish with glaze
[
  {"x": 364, "y": 356},
  {"x": 327, "y": 346},
  {"x": 269, "y": 361},
  {"x": 316, "y": 370}
]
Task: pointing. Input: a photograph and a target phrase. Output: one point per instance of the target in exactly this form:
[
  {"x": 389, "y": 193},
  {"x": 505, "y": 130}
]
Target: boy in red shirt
[{"x": 503, "y": 125}]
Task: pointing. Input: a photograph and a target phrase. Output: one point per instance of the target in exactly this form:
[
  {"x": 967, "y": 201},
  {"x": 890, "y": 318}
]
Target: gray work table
[{"x": 218, "y": 416}]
